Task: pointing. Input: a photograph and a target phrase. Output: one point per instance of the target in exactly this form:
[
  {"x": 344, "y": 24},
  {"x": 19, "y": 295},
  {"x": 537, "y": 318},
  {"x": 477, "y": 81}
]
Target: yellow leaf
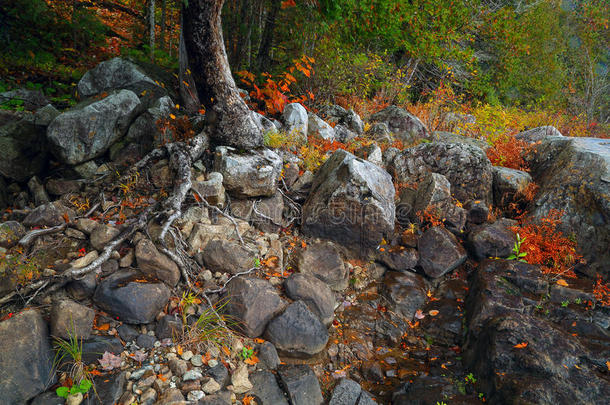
[
  {"x": 251, "y": 361},
  {"x": 562, "y": 282},
  {"x": 179, "y": 350},
  {"x": 226, "y": 350},
  {"x": 172, "y": 116}
]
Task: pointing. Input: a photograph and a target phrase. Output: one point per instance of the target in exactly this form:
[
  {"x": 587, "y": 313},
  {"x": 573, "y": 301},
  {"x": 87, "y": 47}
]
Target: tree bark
[
  {"x": 151, "y": 21},
  {"x": 226, "y": 112},
  {"x": 163, "y": 24},
  {"x": 263, "y": 59},
  {"x": 188, "y": 91}
]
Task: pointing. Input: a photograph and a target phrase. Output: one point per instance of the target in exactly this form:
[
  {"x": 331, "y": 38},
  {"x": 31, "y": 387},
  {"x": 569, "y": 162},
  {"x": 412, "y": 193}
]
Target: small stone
[
  {"x": 178, "y": 366},
  {"x": 195, "y": 395},
  {"x": 187, "y": 355},
  {"x": 211, "y": 386},
  {"x": 212, "y": 363},
  {"x": 240, "y": 380},
  {"x": 196, "y": 360},
  {"x": 101, "y": 235},
  {"x": 85, "y": 260},
  {"x": 193, "y": 374},
  {"x": 74, "y": 399},
  {"x": 148, "y": 397}
]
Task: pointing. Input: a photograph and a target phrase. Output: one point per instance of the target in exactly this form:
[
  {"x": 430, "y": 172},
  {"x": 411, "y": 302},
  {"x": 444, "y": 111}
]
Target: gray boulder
[
  {"x": 346, "y": 392},
  {"x": 253, "y": 303},
  {"x": 492, "y": 240},
  {"x": 112, "y": 74},
  {"x": 301, "y": 384},
  {"x": 26, "y": 358},
  {"x": 313, "y": 292},
  {"x": 439, "y": 252},
  {"x": 351, "y": 201},
  {"x": 252, "y": 174},
  {"x": 406, "y": 291},
  {"x": 126, "y": 296},
  {"x": 405, "y": 126},
  {"x": 320, "y": 128},
  {"x": 227, "y": 256},
  {"x": 10, "y": 233},
  {"x": 31, "y": 99},
  {"x": 155, "y": 264},
  {"x": 146, "y": 130},
  {"x": 450, "y": 137},
  {"x": 23, "y": 148},
  {"x": 322, "y": 260},
  {"x": 538, "y": 134},
  {"x": 90, "y": 128},
  {"x": 508, "y": 185},
  {"x": 297, "y": 332},
  {"x": 71, "y": 319},
  {"x": 467, "y": 168},
  {"x": 296, "y": 121},
  {"x": 574, "y": 177},
  {"x": 266, "y": 389},
  {"x": 344, "y": 134},
  {"x": 50, "y": 214}
]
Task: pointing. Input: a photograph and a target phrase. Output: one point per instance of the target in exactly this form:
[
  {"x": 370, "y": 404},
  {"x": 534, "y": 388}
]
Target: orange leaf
[
  {"x": 562, "y": 282},
  {"x": 433, "y": 312},
  {"x": 521, "y": 345},
  {"x": 104, "y": 326},
  {"x": 66, "y": 217},
  {"x": 259, "y": 340},
  {"x": 226, "y": 350},
  {"x": 95, "y": 372},
  {"x": 179, "y": 350},
  {"x": 251, "y": 361},
  {"x": 247, "y": 400},
  {"x": 197, "y": 198},
  {"x": 608, "y": 365}
]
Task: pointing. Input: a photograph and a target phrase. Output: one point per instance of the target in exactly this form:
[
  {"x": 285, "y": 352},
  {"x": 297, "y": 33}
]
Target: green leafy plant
[
  {"x": 82, "y": 388},
  {"x": 71, "y": 351},
  {"x": 565, "y": 303},
  {"x": 578, "y": 301},
  {"x": 246, "y": 353},
  {"x": 517, "y": 254},
  {"x": 470, "y": 378}
]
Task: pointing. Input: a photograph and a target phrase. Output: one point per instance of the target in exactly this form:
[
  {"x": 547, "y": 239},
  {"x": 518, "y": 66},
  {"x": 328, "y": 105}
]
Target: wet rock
[
  {"x": 26, "y": 363},
  {"x": 492, "y": 240},
  {"x": 318, "y": 127},
  {"x": 227, "y": 256},
  {"x": 322, "y": 260},
  {"x": 170, "y": 397},
  {"x": 297, "y": 332},
  {"x": 112, "y": 74},
  {"x": 10, "y": 233},
  {"x": 313, "y": 292},
  {"x": 82, "y": 288},
  {"x": 252, "y": 174},
  {"x": 266, "y": 389},
  {"x": 439, "y": 252},
  {"x": 95, "y": 346},
  {"x": 146, "y": 341},
  {"x": 70, "y": 319},
  {"x": 219, "y": 373},
  {"x": 508, "y": 185},
  {"x": 102, "y": 235},
  {"x": 23, "y": 149},
  {"x": 48, "y": 398},
  {"x": 88, "y": 129},
  {"x": 155, "y": 264},
  {"x": 223, "y": 398},
  {"x": 406, "y": 291},
  {"x": 426, "y": 390},
  {"x": 253, "y": 303},
  {"x": 405, "y": 126},
  {"x": 550, "y": 369},
  {"x": 301, "y": 384},
  {"x": 130, "y": 300},
  {"x": 108, "y": 389},
  {"x": 477, "y": 212},
  {"x": 296, "y": 121},
  {"x": 59, "y": 187},
  {"x": 346, "y": 392},
  {"x": 128, "y": 333},
  {"x": 351, "y": 201},
  {"x": 51, "y": 214},
  {"x": 268, "y": 356},
  {"x": 467, "y": 168}
]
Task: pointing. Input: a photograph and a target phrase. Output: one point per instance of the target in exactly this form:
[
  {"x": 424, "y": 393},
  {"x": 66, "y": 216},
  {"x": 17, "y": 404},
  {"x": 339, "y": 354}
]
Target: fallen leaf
[
  {"x": 109, "y": 361},
  {"x": 226, "y": 350},
  {"x": 608, "y": 365},
  {"x": 102, "y": 327},
  {"x": 433, "y": 312},
  {"x": 521, "y": 345},
  {"x": 247, "y": 400},
  {"x": 562, "y": 282},
  {"x": 179, "y": 350},
  {"x": 252, "y": 360},
  {"x": 419, "y": 314}
]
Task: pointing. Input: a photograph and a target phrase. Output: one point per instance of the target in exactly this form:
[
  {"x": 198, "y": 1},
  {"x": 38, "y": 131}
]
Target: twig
[
  {"x": 30, "y": 236},
  {"x": 230, "y": 218}
]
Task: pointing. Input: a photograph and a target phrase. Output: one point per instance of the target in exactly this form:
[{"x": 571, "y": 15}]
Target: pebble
[
  {"x": 212, "y": 363},
  {"x": 187, "y": 355},
  {"x": 207, "y": 275},
  {"x": 136, "y": 375},
  {"x": 74, "y": 399},
  {"x": 193, "y": 374},
  {"x": 195, "y": 395},
  {"x": 196, "y": 360},
  {"x": 240, "y": 380},
  {"x": 211, "y": 386}
]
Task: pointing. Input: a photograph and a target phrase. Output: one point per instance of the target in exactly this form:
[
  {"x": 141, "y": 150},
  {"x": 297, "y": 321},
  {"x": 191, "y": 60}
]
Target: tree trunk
[
  {"x": 188, "y": 92},
  {"x": 226, "y": 112},
  {"x": 151, "y": 21},
  {"x": 262, "y": 59},
  {"x": 163, "y": 24}
]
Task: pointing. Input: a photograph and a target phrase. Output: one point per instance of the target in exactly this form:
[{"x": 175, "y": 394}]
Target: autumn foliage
[
  {"x": 509, "y": 153},
  {"x": 546, "y": 245}
]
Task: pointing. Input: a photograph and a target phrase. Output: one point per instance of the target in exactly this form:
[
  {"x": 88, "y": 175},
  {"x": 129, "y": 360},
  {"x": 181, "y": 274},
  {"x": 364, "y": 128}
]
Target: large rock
[
  {"x": 320, "y": 128},
  {"x": 102, "y": 234},
  {"x": 351, "y": 201},
  {"x": 467, "y": 168},
  {"x": 266, "y": 389},
  {"x": 23, "y": 148},
  {"x": 538, "y": 134},
  {"x": 313, "y": 292},
  {"x": 26, "y": 358},
  {"x": 405, "y": 126},
  {"x": 50, "y": 214},
  {"x": 439, "y": 252},
  {"x": 346, "y": 118},
  {"x": 492, "y": 240},
  {"x": 129, "y": 297},
  {"x": 301, "y": 384},
  {"x": 31, "y": 99},
  {"x": 252, "y": 174},
  {"x": 574, "y": 178},
  {"x": 406, "y": 291},
  {"x": 227, "y": 256},
  {"x": 509, "y": 185},
  {"x": 146, "y": 129},
  {"x": 346, "y": 392},
  {"x": 253, "y": 303},
  {"x": 155, "y": 264},
  {"x": 450, "y": 137},
  {"x": 297, "y": 332},
  {"x": 71, "y": 319},
  {"x": 296, "y": 121},
  {"x": 90, "y": 128},
  {"x": 10, "y": 233},
  {"x": 113, "y": 74},
  {"x": 322, "y": 260}
]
